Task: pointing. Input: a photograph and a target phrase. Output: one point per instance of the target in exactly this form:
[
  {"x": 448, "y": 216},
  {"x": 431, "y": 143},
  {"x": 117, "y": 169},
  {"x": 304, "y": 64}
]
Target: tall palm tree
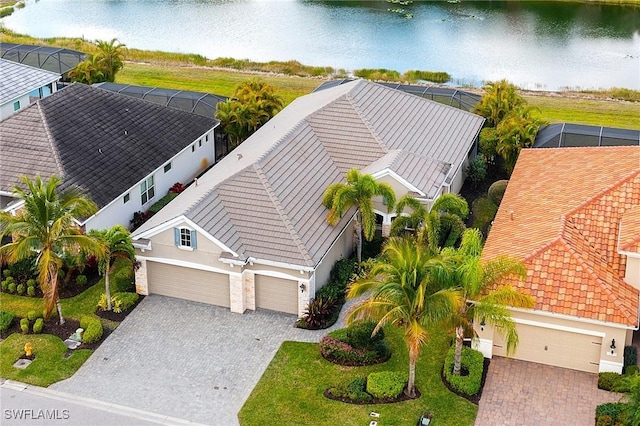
[
  {"x": 116, "y": 243},
  {"x": 439, "y": 227},
  {"x": 357, "y": 192},
  {"x": 45, "y": 225},
  {"x": 486, "y": 293},
  {"x": 403, "y": 292},
  {"x": 499, "y": 100},
  {"x": 111, "y": 57}
]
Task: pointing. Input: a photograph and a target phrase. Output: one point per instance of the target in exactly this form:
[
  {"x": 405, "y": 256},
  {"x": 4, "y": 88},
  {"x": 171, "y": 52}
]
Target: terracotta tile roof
[
  {"x": 630, "y": 231},
  {"x": 561, "y": 214}
]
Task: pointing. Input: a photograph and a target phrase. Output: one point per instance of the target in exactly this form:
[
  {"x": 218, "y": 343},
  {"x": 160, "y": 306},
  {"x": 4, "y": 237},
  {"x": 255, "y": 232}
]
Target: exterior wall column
[
  {"x": 249, "y": 289},
  {"x": 386, "y": 225},
  {"x": 236, "y": 293},
  {"x": 304, "y": 296},
  {"x": 142, "y": 284}
]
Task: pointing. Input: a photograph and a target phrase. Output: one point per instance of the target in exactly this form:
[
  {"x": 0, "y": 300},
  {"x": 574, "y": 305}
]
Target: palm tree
[
  {"x": 116, "y": 243},
  {"x": 88, "y": 72},
  {"x": 45, "y": 225},
  {"x": 357, "y": 192},
  {"x": 516, "y": 131},
  {"x": 442, "y": 226},
  {"x": 499, "y": 100},
  {"x": 405, "y": 293},
  {"x": 486, "y": 295},
  {"x": 111, "y": 57}
]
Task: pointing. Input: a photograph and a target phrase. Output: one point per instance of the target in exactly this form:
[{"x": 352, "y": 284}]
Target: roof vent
[{"x": 511, "y": 214}]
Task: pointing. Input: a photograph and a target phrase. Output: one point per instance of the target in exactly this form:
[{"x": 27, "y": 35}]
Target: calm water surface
[{"x": 536, "y": 45}]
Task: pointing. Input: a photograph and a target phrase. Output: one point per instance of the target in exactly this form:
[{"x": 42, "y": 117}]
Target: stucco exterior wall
[
  {"x": 342, "y": 249},
  {"x": 7, "y": 110},
  {"x": 632, "y": 273}
]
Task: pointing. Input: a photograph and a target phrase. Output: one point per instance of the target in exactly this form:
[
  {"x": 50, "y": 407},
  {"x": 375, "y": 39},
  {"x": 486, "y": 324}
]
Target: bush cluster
[
  {"x": 611, "y": 414},
  {"x": 473, "y": 362},
  {"x": 126, "y": 299},
  {"x": 81, "y": 280},
  {"x": 614, "y": 382},
  {"x": 355, "y": 391},
  {"x": 386, "y": 384},
  {"x": 6, "y": 319},
  {"x": 92, "y": 329},
  {"x": 354, "y": 345},
  {"x": 338, "y": 351}
]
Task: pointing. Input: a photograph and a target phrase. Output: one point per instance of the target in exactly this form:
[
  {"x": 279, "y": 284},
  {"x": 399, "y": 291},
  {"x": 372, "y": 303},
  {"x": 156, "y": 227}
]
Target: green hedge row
[
  {"x": 473, "y": 361},
  {"x": 92, "y": 329},
  {"x": 386, "y": 384}
]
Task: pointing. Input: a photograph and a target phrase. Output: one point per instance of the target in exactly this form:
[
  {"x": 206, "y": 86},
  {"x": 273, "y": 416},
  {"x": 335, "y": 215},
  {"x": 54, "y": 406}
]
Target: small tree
[
  {"x": 500, "y": 99},
  {"x": 517, "y": 131}
]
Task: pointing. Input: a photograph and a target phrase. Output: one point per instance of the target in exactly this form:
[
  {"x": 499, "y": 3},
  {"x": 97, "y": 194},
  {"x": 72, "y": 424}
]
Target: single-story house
[
  {"x": 253, "y": 233},
  {"x": 124, "y": 152},
  {"x": 21, "y": 85},
  {"x": 572, "y": 215}
]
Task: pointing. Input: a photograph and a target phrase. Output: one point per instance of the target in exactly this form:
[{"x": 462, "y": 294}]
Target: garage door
[
  {"x": 276, "y": 294},
  {"x": 188, "y": 283},
  {"x": 554, "y": 347}
]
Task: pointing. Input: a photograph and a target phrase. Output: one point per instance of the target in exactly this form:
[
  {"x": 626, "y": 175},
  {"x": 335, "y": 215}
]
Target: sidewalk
[{"x": 32, "y": 405}]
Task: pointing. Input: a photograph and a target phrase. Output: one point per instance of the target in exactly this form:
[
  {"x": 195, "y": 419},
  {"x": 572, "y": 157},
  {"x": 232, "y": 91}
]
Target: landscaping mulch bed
[
  {"x": 472, "y": 398},
  {"x": 401, "y": 398},
  {"x": 112, "y": 316},
  {"x": 63, "y": 331}
]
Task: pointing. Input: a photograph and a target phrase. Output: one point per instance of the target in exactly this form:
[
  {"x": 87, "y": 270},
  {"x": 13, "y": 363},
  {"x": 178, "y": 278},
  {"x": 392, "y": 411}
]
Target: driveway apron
[
  {"x": 185, "y": 359},
  {"x": 527, "y": 394}
]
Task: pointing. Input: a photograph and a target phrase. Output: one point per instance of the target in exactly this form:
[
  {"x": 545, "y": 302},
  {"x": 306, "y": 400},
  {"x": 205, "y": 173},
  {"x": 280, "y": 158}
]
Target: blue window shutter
[
  {"x": 194, "y": 244},
  {"x": 176, "y": 236}
]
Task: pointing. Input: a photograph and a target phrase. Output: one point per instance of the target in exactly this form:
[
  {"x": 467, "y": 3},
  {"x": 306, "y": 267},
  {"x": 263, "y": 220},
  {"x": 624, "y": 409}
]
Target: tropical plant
[
  {"x": 358, "y": 192},
  {"x": 499, "y": 100},
  {"x": 89, "y": 71},
  {"x": 116, "y": 243},
  {"x": 403, "y": 291},
  {"x": 486, "y": 292},
  {"x": 632, "y": 406},
  {"x": 110, "y": 57},
  {"x": 45, "y": 225},
  {"x": 516, "y": 131}
]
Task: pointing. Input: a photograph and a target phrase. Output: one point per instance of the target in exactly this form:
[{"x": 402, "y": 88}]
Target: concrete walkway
[
  {"x": 527, "y": 394},
  {"x": 185, "y": 359}
]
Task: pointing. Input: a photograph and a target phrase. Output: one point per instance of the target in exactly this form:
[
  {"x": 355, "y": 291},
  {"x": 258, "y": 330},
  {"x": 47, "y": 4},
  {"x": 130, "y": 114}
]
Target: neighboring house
[
  {"x": 124, "y": 152},
  {"x": 253, "y": 232},
  {"x": 573, "y": 216},
  {"x": 21, "y": 85}
]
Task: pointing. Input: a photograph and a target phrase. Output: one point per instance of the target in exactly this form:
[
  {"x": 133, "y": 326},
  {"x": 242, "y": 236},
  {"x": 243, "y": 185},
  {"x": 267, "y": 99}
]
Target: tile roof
[
  {"x": 629, "y": 239},
  {"x": 102, "y": 141},
  {"x": 264, "y": 199},
  {"x": 18, "y": 80},
  {"x": 561, "y": 214}
]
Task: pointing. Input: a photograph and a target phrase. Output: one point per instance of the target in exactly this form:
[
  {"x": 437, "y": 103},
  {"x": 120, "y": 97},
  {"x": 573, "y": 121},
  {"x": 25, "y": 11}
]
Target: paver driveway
[
  {"x": 525, "y": 394},
  {"x": 185, "y": 359}
]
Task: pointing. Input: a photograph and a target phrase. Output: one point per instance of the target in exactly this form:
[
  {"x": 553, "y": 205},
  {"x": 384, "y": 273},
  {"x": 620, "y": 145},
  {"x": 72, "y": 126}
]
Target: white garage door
[
  {"x": 554, "y": 347},
  {"x": 188, "y": 283},
  {"x": 277, "y": 294}
]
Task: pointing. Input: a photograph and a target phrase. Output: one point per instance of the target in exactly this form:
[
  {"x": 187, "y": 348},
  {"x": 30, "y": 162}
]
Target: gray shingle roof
[
  {"x": 18, "y": 80},
  {"x": 264, "y": 199},
  {"x": 102, "y": 141}
]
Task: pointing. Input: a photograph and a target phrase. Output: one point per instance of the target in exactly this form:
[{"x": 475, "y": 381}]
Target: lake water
[{"x": 535, "y": 45}]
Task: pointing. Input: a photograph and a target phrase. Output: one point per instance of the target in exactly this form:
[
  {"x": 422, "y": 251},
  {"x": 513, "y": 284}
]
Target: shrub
[
  {"x": 31, "y": 291},
  {"x": 122, "y": 276},
  {"x": 139, "y": 218},
  {"x": 630, "y": 357},
  {"x": 11, "y": 287},
  {"x": 4, "y": 285},
  {"x": 356, "y": 390},
  {"x": 20, "y": 289},
  {"x": 631, "y": 370},
  {"x": 330, "y": 291},
  {"x": 610, "y": 414},
  {"x": 496, "y": 191},
  {"x": 158, "y": 205},
  {"x": 37, "y": 326},
  {"x": 24, "y": 269},
  {"x": 319, "y": 311},
  {"x": 10, "y": 280},
  {"x": 6, "y": 319},
  {"x": 371, "y": 249},
  {"x": 477, "y": 171},
  {"x": 31, "y": 282},
  {"x": 6, "y": 273},
  {"x": 338, "y": 351},
  {"x": 102, "y": 303},
  {"x": 359, "y": 335},
  {"x": 612, "y": 382},
  {"x": 32, "y": 315},
  {"x": 177, "y": 188},
  {"x": 380, "y": 74},
  {"x": 24, "y": 325},
  {"x": 81, "y": 280},
  {"x": 473, "y": 362},
  {"x": 92, "y": 329},
  {"x": 126, "y": 299},
  {"x": 433, "y": 76},
  {"x": 6, "y": 11},
  {"x": 386, "y": 384},
  {"x": 488, "y": 143},
  {"x": 342, "y": 271}
]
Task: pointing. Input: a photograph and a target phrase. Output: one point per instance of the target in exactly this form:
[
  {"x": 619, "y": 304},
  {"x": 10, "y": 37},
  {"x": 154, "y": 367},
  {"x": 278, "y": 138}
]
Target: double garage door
[
  {"x": 188, "y": 283},
  {"x": 554, "y": 347},
  {"x": 276, "y": 294}
]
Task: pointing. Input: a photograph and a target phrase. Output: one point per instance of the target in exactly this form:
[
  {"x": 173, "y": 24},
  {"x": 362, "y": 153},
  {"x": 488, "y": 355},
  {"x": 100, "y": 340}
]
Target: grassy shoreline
[{"x": 196, "y": 73}]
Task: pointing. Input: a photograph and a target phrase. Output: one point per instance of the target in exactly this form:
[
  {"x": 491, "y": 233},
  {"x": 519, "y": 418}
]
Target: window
[
  {"x": 16, "y": 105},
  {"x": 146, "y": 190},
  {"x": 126, "y": 198},
  {"x": 185, "y": 238},
  {"x": 167, "y": 167}
]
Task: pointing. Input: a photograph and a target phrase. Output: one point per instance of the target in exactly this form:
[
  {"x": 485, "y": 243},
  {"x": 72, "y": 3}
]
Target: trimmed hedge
[
  {"x": 630, "y": 357},
  {"x": 6, "y": 319},
  {"x": 386, "y": 384},
  {"x": 473, "y": 362},
  {"x": 32, "y": 315},
  {"x": 92, "y": 329},
  {"x": 158, "y": 205},
  {"x": 614, "y": 382},
  {"x": 121, "y": 278},
  {"x": 37, "y": 326},
  {"x": 24, "y": 325},
  {"x": 496, "y": 191}
]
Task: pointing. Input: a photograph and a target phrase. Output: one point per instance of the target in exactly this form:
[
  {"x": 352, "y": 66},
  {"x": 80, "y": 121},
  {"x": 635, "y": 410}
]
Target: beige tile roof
[
  {"x": 264, "y": 199},
  {"x": 561, "y": 214}
]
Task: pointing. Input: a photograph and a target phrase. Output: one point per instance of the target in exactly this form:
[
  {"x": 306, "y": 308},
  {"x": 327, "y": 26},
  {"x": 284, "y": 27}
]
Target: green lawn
[
  {"x": 48, "y": 367},
  {"x": 291, "y": 388}
]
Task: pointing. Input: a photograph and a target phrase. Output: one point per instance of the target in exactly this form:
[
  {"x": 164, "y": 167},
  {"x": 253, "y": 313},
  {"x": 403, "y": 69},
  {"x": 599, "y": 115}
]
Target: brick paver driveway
[
  {"x": 525, "y": 393},
  {"x": 184, "y": 359}
]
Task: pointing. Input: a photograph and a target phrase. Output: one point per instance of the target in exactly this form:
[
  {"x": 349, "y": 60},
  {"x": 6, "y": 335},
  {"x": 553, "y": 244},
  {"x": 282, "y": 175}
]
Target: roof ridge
[
  {"x": 50, "y": 138},
  {"x": 276, "y": 202},
  {"x": 365, "y": 121}
]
